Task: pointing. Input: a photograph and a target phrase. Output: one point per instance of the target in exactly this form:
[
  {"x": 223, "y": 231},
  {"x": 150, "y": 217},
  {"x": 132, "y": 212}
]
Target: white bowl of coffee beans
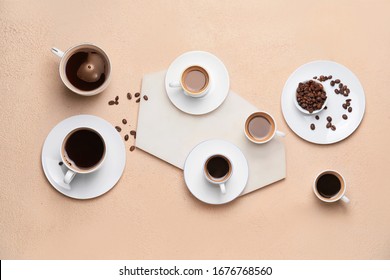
[{"x": 310, "y": 97}]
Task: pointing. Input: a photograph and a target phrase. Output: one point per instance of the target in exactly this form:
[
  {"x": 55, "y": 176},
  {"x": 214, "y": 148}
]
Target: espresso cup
[
  {"x": 194, "y": 81},
  {"x": 84, "y": 69},
  {"x": 330, "y": 186},
  {"x": 83, "y": 151},
  {"x": 260, "y": 127},
  {"x": 217, "y": 170}
]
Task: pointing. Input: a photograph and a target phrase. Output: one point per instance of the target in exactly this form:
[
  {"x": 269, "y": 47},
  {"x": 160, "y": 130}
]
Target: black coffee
[
  {"x": 218, "y": 167},
  {"x": 328, "y": 185},
  {"x": 85, "y": 148},
  {"x": 73, "y": 65}
]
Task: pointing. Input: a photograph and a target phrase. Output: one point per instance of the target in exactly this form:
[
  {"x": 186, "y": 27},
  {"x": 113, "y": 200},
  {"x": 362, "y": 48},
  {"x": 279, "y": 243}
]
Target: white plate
[
  {"x": 206, "y": 191},
  {"x": 84, "y": 186},
  {"x": 300, "y": 123},
  {"x": 219, "y": 83}
]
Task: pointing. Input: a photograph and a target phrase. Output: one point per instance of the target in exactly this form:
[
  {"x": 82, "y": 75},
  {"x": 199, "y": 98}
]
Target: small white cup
[
  {"x": 306, "y": 111},
  {"x": 220, "y": 180},
  {"x": 186, "y": 90},
  {"x": 340, "y": 195},
  {"x": 65, "y": 56},
  {"x": 269, "y": 136},
  {"x": 69, "y": 163}
]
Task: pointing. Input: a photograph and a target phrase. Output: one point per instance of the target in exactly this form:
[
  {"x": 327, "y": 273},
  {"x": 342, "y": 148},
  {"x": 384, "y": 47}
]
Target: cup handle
[
  {"x": 69, "y": 176},
  {"x": 345, "y": 199},
  {"x": 223, "y": 188},
  {"x": 174, "y": 84},
  {"x": 57, "y": 52},
  {"x": 280, "y": 134}
]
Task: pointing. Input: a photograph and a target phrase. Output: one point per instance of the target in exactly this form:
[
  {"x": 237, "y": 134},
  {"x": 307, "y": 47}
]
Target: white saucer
[
  {"x": 206, "y": 191},
  {"x": 300, "y": 123},
  {"x": 84, "y": 186},
  {"x": 219, "y": 83}
]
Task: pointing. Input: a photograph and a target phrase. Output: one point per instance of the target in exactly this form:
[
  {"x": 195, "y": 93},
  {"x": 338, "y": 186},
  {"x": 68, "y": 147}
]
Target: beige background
[{"x": 150, "y": 214}]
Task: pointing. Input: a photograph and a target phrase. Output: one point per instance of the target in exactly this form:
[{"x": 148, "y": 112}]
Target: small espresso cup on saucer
[
  {"x": 194, "y": 80},
  {"x": 84, "y": 69},
  {"x": 217, "y": 170},
  {"x": 330, "y": 186},
  {"x": 260, "y": 127},
  {"x": 83, "y": 151}
]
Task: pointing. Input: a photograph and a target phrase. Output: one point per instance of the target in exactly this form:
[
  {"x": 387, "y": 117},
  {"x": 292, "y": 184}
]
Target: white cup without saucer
[
  {"x": 181, "y": 84},
  {"x": 88, "y": 47},
  {"x": 73, "y": 170},
  {"x": 222, "y": 180},
  {"x": 340, "y": 195},
  {"x": 270, "y": 136}
]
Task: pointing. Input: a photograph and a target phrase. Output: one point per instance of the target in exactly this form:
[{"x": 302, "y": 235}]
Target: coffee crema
[
  {"x": 195, "y": 79},
  {"x": 84, "y": 149},
  {"x": 259, "y": 127}
]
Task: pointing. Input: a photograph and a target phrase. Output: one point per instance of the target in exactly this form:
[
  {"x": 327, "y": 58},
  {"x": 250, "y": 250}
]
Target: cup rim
[
  {"x": 339, "y": 195},
  {"x": 305, "y": 111},
  {"x": 95, "y": 167},
  {"x": 65, "y": 79},
  {"x": 252, "y": 138},
  {"x": 205, "y": 89},
  {"x": 226, "y": 177}
]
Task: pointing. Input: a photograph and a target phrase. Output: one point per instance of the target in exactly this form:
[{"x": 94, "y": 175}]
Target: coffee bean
[
  {"x": 129, "y": 96},
  {"x": 126, "y": 137},
  {"x": 333, "y": 127},
  {"x": 116, "y": 98},
  {"x": 132, "y": 132},
  {"x": 326, "y": 107},
  {"x": 60, "y": 163},
  {"x": 118, "y": 129},
  {"x": 347, "y": 91},
  {"x": 350, "y": 109},
  {"x": 348, "y": 100},
  {"x": 315, "y": 77},
  {"x": 138, "y": 100},
  {"x": 340, "y": 85},
  {"x": 317, "y": 117},
  {"x": 336, "y": 91},
  {"x": 345, "y": 117},
  {"x": 332, "y": 83},
  {"x": 337, "y": 81},
  {"x": 345, "y": 106},
  {"x": 116, "y": 102},
  {"x": 329, "y": 118},
  {"x": 124, "y": 121},
  {"x": 312, "y": 126},
  {"x": 146, "y": 97},
  {"x": 137, "y": 94},
  {"x": 132, "y": 148},
  {"x": 111, "y": 102},
  {"x": 328, "y": 125},
  {"x": 330, "y": 77}
]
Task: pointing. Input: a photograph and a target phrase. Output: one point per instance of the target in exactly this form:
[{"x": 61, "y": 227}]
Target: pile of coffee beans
[{"x": 311, "y": 95}]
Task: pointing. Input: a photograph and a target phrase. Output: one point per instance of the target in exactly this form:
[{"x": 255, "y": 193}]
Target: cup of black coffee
[
  {"x": 260, "y": 127},
  {"x": 217, "y": 170},
  {"x": 85, "y": 69},
  {"x": 82, "y": 151},
  {"x": 330, "y": 186},
  {"x": 194, "y": 81}
]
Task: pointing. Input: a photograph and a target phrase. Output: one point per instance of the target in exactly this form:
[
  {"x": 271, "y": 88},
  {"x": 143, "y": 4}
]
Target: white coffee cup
[
  {"x": 102, "y": 64},
  {"x": 330, "y": 192},
  {"x": 82, "y": 151},
  {"x": 218, "y": 170},
  {"x": 193, "y": 75},
  {"x": 256, "y": 121}
]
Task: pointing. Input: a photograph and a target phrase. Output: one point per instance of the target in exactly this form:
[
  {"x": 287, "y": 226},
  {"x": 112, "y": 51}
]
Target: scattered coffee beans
[
  {"x": 310, "y": 95},
  {"x": 329, "y": 118},
  {"x": 126, "y": 137},
  {"x": 111, "y": 102},
  {"x": 118, "y": 129},
  {"x": 345, "y": 117},
  {"x": 60, "y": 163},
  {"x": 132, "y": 148},
  {"x": 138, "y": 100},
  {"x": 317, "y": 117},
  {"x": 312, "y": 126},
  {"x": 326, "y": 107},
  {"x": 137, "y": 94},
  {"x": 124, "y": 121},
  {"x": 332, "y": 83},
  {"x": 345, "y": 106},
  {"x": 328, "y": 125},
  {"x": 337, "y": 81},
  {"x": 146, "y": 97},
  {"x": 129, "y": 96},
  {"x": 116, "y": 98},
  {"x": 132, "y": 132},
  {"x": 333, "y": 127},
  {"x": 350, "y": 109}
]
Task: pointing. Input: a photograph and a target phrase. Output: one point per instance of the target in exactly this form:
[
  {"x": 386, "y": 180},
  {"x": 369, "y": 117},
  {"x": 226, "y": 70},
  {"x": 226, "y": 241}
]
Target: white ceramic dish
[
  {"x": 300, "y": 123},
  {"x": 84, "y": 186},
  {"x": 219, "y": 83},
  {"x": 196, "y": 181}
]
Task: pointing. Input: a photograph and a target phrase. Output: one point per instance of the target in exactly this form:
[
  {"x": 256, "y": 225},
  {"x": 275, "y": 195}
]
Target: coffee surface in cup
[
  {"x": 259, "y": 127},
  {"x": 84, "y": 148},
  {"x": 74, "y": 65},
  {"x": 218, "y": 167},
  {"x": 195, "y": 80},
  {"x": 328, "y": 185}
]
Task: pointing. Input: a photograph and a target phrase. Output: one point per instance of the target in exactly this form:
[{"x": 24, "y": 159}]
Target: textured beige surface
[{"x": 150, "y": 214}]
